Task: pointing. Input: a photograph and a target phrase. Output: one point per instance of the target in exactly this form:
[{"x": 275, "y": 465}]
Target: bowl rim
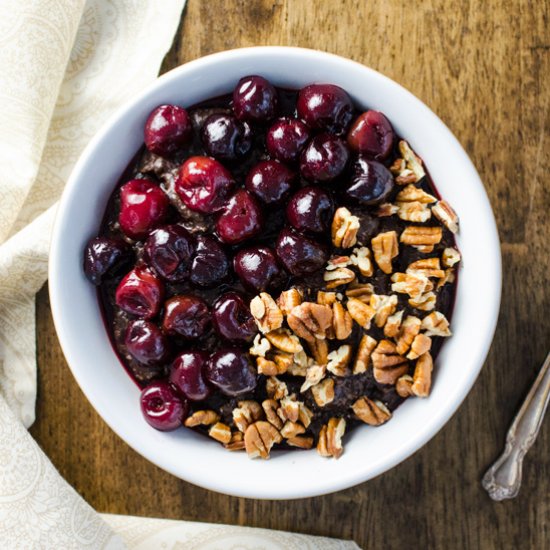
[{"x": 345, "y": 479}]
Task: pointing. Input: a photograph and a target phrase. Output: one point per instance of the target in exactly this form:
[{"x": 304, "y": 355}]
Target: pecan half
[
  {"x": 301, "y": 441},
  {"x": 310, "y": 321},
  {"x": 319, "y": 350},
  {"x": 385, "y": 249},
  {"x": 270, "y": 407},
  {"x": 428, "y": 267},
  {"x": 259, "y": 438},
  {"x": 421, "y": 235},
  {"x": 361, "y": 291},
  {"x": 393, "y": 324},
  {"x": 387, "y": 364},
  {"x": 422, "y": 378},
  {"x": 413, "y": 284},
  {"x": 361, "y": 258},
  {"x": 260, "y": 346},
  {"x": 326, "y": 298},
  {"x": 323, "y": 393},
  {"x": 289, "y": 299},
  {"x": 446, "y": 215},
  {"x": 409, "y": 329},
  {"x": 436, "y": 324},
  {"x": 266, "y": 312},
  {"x": 420, "y": 345},
  {"x": 201, "y": 418},
  {"x": 342, "y": 323},
  {"x": 371, "y": 412},
  {"x": 413, "y": 164},
  {"x": 245, "y": 414},
  {"x": 413, "y": 212},
  {"x": 450, "y": 257},
  {"x": 411, "y": 193},
  {"x": 364, "y": 352},
  {"x": 403, "y": 386},
  {"x": 220, "y": 432},
  {"x": 330, "y": 438},
  {"x": 338, "y": 360},
  {"x": 360, "y": 312},
  {"x": 344, "y": 228},
  {"x": 338, "y": 277},
  {"x": 284, "y": 340}
]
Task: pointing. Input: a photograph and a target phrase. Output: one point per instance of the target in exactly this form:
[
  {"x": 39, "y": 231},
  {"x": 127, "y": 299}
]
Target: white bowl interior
[{"x": 368, "y": 451}]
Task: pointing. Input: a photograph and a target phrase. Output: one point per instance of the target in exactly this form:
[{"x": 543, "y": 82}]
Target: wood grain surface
[{"x": 484, "y": 68}]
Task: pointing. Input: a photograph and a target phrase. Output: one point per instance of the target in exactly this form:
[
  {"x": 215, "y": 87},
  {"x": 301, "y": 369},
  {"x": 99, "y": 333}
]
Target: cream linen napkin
[{"x": 65, "y": 66}]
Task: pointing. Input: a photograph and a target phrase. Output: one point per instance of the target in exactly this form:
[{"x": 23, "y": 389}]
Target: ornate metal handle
[{"x": 503, "y": 479}]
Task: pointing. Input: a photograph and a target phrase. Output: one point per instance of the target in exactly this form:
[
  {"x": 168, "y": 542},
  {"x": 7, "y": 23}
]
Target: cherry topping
[
  {"x": 187, "y": 375},
  {"x": 210, "y": 265},
  {"x": 231, "y": 371},
  {"x": 146, "y": 343},
  {"x": 143, "y": 206},
  {"x": 258, "y": 269},
  {"x": 105, "y": 256},
  {"x": 299, "y": 254},
  {"x": 232, "y": 318},
  {"x": 371, "y": 182},
  {"x": 140, "y": 293},
  {"x": 254, "y": 99},
  {"x": 310, "y": 209},
  {"x": 167, "y": 129},
  {"x": 241, "y": 219},
  {"x": 226, "y": 138},
  {"x": 286, "y": 139},
  {"x": 325, "y": 107},
  {"x": 168, "y": 250},
  {"x": 203, "y": 184},
  {"x": 371, "y": 134},
  {"x": 324, "y": 159},
  {"x": 186, "y": 316},
  {"x": 162, "y": 407},
  {"x": 270, "y": 181}
]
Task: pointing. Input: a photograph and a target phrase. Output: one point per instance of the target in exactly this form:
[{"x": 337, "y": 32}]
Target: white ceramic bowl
[{"x": 368, "y": 451}]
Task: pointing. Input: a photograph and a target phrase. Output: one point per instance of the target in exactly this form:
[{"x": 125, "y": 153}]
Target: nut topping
[
  {"x": 314, "y": 375},
  {"x": 270, "y": 407},
  {"x": 330, "y": 438},
  {"x": 342, "y": 323},
  {"x": 385, "y": 248},
  {"x": 288, "y": 300},
  {"x": 245, "y": 414},
  {"x": 411, "y": 193},
  {"x": 275, "y": 388},
  {"x": 319, "y": 350},
  {"x": 403, "y": 386},
  {"x": 220, "y": 432},
  {"x": 393, "y": 324},
  {"x": 339, "y": 359},
  {"x": 422, "y": 378},
  {"x": 292, "y": 429},
  {"x": 338, "y": 277},
  {"x": 310, "y": 321},
  {"x": 421, "y": 345},
  {"x": 413, "y": 284},
  {"x": 364, "y": 351},
  {"x": 436, "y": 324},
  {"x": 323, "y": 393},
  {"x": 236, "y": 443},
  {"x": 344, "y": 228},
  {"x": 362, "y": 292},
  {"x": 304, "y": 414},
  {"x": 450, "y": 257},
  {"x": 409, "y": 330},
  {"x": 413, "y": 165},
  {"x": 301, "y": 442},
  {"x": 201, "y": 418},
  {"x": 336, "y": 262},
  {"x": 266, "y": 312},
  {"x": 426, "y": 302},
  {"x": 289, "y": 409},
  {"x": 384, "y": 307},
  {"x": 387, "y": 209},
  {"x": 388, "y": 365},
  {"x": 269, "y": 368},
  {"x": 446, "y": 215},
  {"x": 421, "y": 235},
  {"x": 428, "y": 267},
  {"x": 361, "y": 258},
  {"x": 326, "y": 298},
  {"x": 413, "y": 212},
  {"x": 371, "y": 412},
  {"x": 360, "y": 312},
  {"x": 260, "y": 346},
  {"x": 284, "y": 340},
  {"x": 259, "y": 438}
]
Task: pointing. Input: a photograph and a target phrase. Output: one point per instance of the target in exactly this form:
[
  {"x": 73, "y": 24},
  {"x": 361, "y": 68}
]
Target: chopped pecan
[
  {"x": 364, "y": 351},
  {"x": 310, "y": 320},
  {"x": 384, "y": 307},
  {"x": 422, "y": 378},
  {"x": 413, "y": 284},
  {"x": 360, "y": 312},
  {"x": 413, "y": 212},
  {"x": 270, "y": 407},
  {"x": 326, "y": 298},
  {"x": 361, "y": 258},
  {"x": 300, "y": 363},
  {"x": 266, "y": 312},
  {"x": 338, "y": 277},
  {"x": 403, "y": 386},
  {"x": 220, "y": 432},
  {"x": 426, "y": 302},
  {"x": 289, "y": 409},
  {"x": 411, "y": 193},
  {"x": 201, "y": 418},
  {"x": 246, "y": 413},
  {"x": 323, "y": 393},
  {"x": 275, "y": 388},
  {"x": 259, "y": 438},
  {"x": 304, "y": 414},
  {"x": 428, "y": 267},
  {"x": 292, "y": 429},
  {"x": 236, "y": 443},
  {"x": 284, "y": 340},
  {"x": 413, "y": 164},
  {"x": 268, "y": 367},
  {"x": 436, "y": 324},
  {"x": 289, "y": 299},
  {"x": 446, "y": 215},
  {"x": 424, "y": 248},
  {"x": 450, "y": 257},
  {"x": 448, "y": 278},
  {"x": 330, "y": 438},
  {"x": 371, "y": 412},
  {"x": 393, "y": 325},
  {"x": 301, "y": 441},
  {"x": 409, "y": 329},
  {"x": 283, "y": 360},
  {"x": 421, "y": 235},
  {"x": 342, "y": 323},
  {"x": 362, "y": 292},
  {"x": 387, "y": 209},
  {"x": 260, "y": 346},
  {"x": 344, "y": 228},
  {"x": 420, "y": 345},
  {"x": 314, "y": 375},
  {"x": 338, "y": 360},
  {"x": 385, "y": 249},
  {"x": 336, "y": 262},
  {"x": 319, "y": 350},
  {"x": 387, "y": 364}
]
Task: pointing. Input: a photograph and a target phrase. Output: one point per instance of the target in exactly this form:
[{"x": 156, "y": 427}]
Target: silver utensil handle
[{"x": 503, "y": 479}]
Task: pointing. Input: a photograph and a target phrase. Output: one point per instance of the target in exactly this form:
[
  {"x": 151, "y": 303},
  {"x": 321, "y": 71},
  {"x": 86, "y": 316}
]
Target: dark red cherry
[
  {"x": 231, "y": 371},
  {"x": 286, "y": 139},
  {"x": 299, "y": 254},
  {"x": 232, "y": 318},
  {"x": 143, "y": 206},
  {"x": 241, "y": 219},
  {"x": 167, "y": 130},
  {"x": 258, "y": 269},
  {"x": 325, "y": 107},
  {"x": 203, "y": 184},
  {"x": 186, "y": 316},
  {"x": 310, "y": 209},
  {"x": 162, "y": 407},
  {"x": 226, "y": 138},
  {"x": 168, "y": 250},
  {"x": 140, "y": 293},
  {"x": 324, "y": 159},
  {"x": 105, "y": 256},
  {"x": 210, "y": 265},
  {"x": 146, "y": 343},
  {"x": 371, "y": 181},
  {"x": 270, "y": 181},
  {"x": 254, "y": 99},
  {"x": 187, "y": 375},
  {"x": 372, "y": 135}
]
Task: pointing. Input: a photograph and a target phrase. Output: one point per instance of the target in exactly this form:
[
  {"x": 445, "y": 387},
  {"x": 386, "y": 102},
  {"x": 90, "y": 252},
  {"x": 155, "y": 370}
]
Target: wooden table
[{"x": 484, "y": 67}]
